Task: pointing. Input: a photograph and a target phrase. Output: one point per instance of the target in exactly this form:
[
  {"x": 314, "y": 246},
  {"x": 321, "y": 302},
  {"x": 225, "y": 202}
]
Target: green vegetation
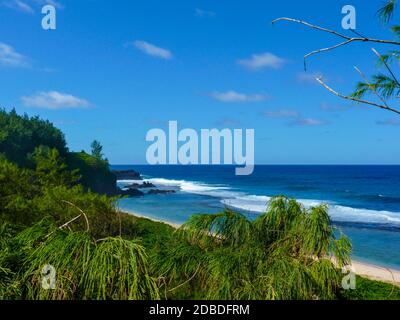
[
  {"x": 109, "y": 268},
  {"x": 49, "y": 216},
  {"x": 384, "y": 85},
  {"x": 33, "y": 143},
  {"x": 97, "y": 149},
  {"x": 371, "y": 290},
  {"x": 95, "y": 173},
  {"x": 283, "y": 254},
  {"x": 20, "y": 135}
]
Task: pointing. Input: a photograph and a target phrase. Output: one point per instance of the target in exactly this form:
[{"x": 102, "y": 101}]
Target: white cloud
[
  {"x": 54, "y": 3},
  {"x": 296, "y": 118},
  {"x": 228, "y": 122},
  {"x": 10, "y": 57},
  {"x": 308, "y": 122},
  {"x": 153, "y": 50},
  {"x": 28, "y": 6},
  {"x": 388, "y": 122},
  {"x": 204, "y": 13},
  {"x": 54, "y": 100},
  {"x": 333, "y": 107},
  {"x": 281, "y": 114},
  {"x": 261, "y": 61},
  {"x": 233, "y": 96},
  {"x": 19, "y": 5}
]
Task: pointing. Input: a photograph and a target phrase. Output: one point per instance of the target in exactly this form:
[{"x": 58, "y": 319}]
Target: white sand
[
  {"x": 174, "y": 225},
  {"x": 370, "y": 271},
  {"x": 376, "y": 272}
]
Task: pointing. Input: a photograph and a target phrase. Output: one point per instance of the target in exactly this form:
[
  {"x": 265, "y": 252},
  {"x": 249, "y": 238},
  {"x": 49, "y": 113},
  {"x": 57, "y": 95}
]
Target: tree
[
  {"x": 288, "y": 252},
  {"x": 97, "y": 149},
  {"x": 384, "y": 86},
  {"x": 17, "y": 189},
  {"x": 20, "y": 135},
  {"x": 51, "y": 169}
]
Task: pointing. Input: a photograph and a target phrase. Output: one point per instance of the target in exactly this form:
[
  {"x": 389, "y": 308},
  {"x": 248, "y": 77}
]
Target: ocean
[{"x": 364, "y": 201}]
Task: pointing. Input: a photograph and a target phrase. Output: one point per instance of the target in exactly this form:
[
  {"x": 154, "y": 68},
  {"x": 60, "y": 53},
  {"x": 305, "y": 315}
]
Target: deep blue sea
[{"x": 364, "y": 201}]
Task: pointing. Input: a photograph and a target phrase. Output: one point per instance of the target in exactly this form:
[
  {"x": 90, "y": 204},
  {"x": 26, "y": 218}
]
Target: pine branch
[
  {"x": 356, "y": 99},
  {"x": 372, "y": 88}
]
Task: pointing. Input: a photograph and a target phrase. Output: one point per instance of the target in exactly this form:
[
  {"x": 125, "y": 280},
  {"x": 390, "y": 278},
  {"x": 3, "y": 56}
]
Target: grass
[{"x": 367, "y": 289}]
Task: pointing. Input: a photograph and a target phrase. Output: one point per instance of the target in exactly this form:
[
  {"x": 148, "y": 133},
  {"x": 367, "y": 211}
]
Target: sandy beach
[
  {"x": 370, "y": 271},
  {"x": 376, "y": 272},
  {"x": 174, "y": 225}
]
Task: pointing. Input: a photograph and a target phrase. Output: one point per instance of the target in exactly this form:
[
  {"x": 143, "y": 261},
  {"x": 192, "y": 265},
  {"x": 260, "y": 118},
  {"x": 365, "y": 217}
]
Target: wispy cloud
[
  {"x": 388, "y": 122},
  {"x": 311, "y": 122},
  {"x": 228, "y": 122},
  {"x": 19, "y": 6},
  {"x": 233, "y": 96},
  {"x": 56, "y": 4},
  {"x": 204, "y": 13},
  {"x": 29, "y": 6},
  {"x": 332, "y": 108},
  {"x": 281, "y": 114},
  {"x": 11, "y": 58},
  {"x": 261, "y": 61},
  {"x": 54, "y": 100},
  {"x": 64, "y": 122},
  {"x": 296, "y": 118},
  {"x": 304, "y": 77},
  {"x": 152, "y": 50}
]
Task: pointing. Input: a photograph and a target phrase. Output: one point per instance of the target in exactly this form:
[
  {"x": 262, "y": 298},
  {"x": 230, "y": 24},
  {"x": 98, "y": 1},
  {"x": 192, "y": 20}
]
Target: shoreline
[
  {"x": 375, "y": 272},
  {"x": 368, "y": 270}
]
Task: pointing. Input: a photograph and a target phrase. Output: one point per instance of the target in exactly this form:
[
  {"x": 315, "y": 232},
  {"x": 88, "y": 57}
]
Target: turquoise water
[{"x": 364, "y": 201}]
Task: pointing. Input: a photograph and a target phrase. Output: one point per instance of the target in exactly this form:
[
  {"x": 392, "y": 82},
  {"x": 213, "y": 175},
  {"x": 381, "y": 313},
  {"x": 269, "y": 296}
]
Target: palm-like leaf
[
  {"x": 112, "y": 268},
  {"x": 386, "y": 12},
  {"x": 284, "y": 254},
  {"x": 382, "y": 84}
]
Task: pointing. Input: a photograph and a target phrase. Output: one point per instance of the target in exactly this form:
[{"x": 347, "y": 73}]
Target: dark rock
[
  {"x": 127, "y": 175},
  {"x": 140, "y": 186},
  {"x": 130, "y": 192},
  {"x": 147, "y": 184},
  {"x": 157, "y": 191}
]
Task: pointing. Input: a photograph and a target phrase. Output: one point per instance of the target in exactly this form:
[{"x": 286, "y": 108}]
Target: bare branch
[
  {"x": 341, "y": 35},
  {"x": 312, "y": 26},
  {"x": 364, "y": 39},
  {"x": 348, "y": 40},
  {"x": 69, "y": 222},
  {"x": 355, "y": 99},
  {"x": 188, "y": 280},
  {"x": 81, "y": 211},
  {"x": 324, "y": 50}
]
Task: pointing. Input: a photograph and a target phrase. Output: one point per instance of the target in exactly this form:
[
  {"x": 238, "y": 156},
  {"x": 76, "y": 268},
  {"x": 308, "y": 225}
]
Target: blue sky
[{"x": 112, "y": 70}]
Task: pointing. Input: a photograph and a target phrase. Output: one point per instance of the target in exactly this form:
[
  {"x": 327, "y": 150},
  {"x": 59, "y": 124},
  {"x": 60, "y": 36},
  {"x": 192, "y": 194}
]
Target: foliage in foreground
[
  {"x": 284, "y": 254},
  {"x": 109, "y": 268},
  {"x": 106, "y": 276}
]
